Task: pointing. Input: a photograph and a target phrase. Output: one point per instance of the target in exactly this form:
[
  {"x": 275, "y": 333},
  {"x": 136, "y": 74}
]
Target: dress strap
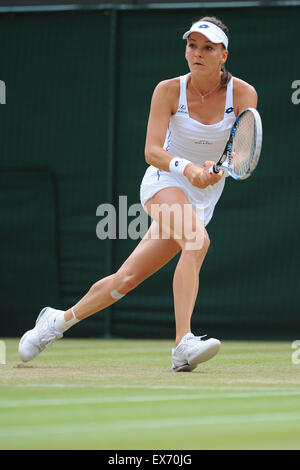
[
  {"x": 182, "y": 104},
  {"x": 229, "y": 109}
]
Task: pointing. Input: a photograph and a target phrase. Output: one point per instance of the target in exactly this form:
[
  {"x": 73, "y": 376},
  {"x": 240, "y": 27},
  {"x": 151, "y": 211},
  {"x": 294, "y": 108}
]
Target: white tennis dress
[{"x": 188, "y": 138}]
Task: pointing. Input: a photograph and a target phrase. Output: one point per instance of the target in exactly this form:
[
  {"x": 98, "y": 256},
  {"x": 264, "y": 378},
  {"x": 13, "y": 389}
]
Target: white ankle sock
[{"x": 61, "y": 324}]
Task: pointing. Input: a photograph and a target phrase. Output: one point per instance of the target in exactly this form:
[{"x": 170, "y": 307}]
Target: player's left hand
[{"x": 214, "y": 177}]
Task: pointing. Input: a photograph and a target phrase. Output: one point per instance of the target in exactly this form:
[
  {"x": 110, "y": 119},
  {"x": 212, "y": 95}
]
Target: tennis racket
[{"x": 242, "y": 151}]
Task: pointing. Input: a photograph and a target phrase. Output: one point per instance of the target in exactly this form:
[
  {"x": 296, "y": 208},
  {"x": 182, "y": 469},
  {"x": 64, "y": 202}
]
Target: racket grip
[{"x": 214, "y": 169}]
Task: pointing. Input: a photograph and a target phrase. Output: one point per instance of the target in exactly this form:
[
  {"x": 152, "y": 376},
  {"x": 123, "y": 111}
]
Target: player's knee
[
  {"x": 198, "y": 244},
  {"x": 196, "y": 251},
  {"x": 126, "y": 281},
  {"x": 206, "y": 242}
]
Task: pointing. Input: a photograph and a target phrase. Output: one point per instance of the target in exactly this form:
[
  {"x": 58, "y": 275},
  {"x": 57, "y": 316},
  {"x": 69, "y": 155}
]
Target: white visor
[{"x": 210, "y": 30}]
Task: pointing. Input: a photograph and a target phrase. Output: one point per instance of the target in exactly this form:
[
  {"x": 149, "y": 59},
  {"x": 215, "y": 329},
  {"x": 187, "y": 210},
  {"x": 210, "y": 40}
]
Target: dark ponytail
[{"x": 212, "y": 19}]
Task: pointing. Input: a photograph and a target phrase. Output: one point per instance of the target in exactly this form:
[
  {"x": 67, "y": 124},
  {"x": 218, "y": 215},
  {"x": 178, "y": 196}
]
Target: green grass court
[{"x": 122, "y": 394}]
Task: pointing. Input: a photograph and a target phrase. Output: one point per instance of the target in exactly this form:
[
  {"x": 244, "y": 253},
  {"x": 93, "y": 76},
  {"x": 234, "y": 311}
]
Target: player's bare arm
[
  {"x": 244, "y": 96},
  {"x": 162, "y": 107}
]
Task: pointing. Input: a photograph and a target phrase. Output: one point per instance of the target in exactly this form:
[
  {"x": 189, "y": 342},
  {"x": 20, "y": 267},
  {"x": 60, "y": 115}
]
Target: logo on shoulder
[
  {"x": 203, "y": 26},
  {"x": 176, "y": 163},
  {"x": 182, "y": 109},
  {"x": 229, "y": 110}
]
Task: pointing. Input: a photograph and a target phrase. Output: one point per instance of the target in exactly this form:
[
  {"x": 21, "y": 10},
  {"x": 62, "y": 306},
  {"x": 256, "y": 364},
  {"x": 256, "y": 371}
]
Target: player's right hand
[{"x": 201, "y": 177}]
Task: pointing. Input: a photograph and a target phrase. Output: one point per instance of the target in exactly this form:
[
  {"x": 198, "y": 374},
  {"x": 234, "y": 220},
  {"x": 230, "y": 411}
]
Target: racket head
[{"x": 243, "y": 155}]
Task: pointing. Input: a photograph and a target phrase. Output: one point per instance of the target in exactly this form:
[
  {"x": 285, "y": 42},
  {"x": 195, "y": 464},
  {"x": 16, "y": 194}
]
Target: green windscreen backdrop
[{"x": 78, "y": 91}]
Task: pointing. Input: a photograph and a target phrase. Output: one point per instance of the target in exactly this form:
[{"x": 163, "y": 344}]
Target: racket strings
[{"x": 244, "y": 145}]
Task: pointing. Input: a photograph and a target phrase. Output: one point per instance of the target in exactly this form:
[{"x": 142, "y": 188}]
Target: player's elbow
[{"x": 149, "y": 154}]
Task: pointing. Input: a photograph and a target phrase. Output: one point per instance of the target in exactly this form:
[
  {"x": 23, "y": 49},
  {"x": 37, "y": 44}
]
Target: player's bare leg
[
  {"x": 171, "y": 209},
  {"x": 194, "y": 247},
  {"x": 150, "y": 255},
  {"x": 147, "y": 258}
]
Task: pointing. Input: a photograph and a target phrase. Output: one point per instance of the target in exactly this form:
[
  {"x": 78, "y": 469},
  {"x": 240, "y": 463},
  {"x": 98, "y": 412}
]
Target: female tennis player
[{"x": 189, "y": 124}]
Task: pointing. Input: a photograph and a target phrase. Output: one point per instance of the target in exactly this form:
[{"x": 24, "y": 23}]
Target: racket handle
[{"x": 214, "y": 169}]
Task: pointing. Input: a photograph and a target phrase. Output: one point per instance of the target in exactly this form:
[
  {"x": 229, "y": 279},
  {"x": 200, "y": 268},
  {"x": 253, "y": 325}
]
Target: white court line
[
  {"x": 117, "y": 426},
  {"x": 215, "y": 388},
  {"x": 133, "y": 399}
]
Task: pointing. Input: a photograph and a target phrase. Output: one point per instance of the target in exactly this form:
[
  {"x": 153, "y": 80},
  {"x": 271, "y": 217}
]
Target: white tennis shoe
[
  {"x": 41, "y": 336},
  {"x": 192, "y": 350}
]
